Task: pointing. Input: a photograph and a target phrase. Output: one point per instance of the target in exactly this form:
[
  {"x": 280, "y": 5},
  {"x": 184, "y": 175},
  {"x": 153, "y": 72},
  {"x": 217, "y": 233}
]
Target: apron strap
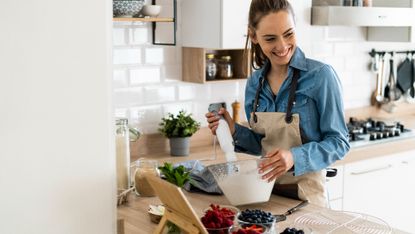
[
  {"x": 258, "y": 90},
  {"x": 291, "y": 97}
]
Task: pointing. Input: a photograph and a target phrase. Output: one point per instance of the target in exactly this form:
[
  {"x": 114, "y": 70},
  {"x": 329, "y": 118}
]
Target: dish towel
[{"x": 201, "y": 179}]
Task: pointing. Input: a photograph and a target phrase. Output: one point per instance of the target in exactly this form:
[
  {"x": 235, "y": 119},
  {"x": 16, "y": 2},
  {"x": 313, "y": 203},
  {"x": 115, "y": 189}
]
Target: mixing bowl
[{"x": 241, "y": 183}]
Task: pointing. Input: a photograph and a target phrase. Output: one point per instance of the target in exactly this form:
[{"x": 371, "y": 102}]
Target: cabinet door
[
  {"x": 214, "y": 24},
  {"x": 234, "y": 23},
  {"x": 382, "y": 187}
]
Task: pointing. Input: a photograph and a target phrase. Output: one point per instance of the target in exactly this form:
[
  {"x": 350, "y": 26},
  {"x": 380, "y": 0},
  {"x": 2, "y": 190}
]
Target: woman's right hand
[{"x": 213, "y": 120}]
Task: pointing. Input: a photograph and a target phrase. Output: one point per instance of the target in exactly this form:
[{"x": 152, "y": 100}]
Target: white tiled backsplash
[{"x": 147, "y": 78}]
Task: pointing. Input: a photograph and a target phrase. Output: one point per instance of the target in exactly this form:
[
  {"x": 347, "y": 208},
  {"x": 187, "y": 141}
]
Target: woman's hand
[
  {"x": 213, "y": 120},
  {"x": 276, "y": 163}
]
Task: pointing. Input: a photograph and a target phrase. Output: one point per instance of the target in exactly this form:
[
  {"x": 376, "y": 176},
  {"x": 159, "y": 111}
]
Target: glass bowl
[
  {"x": 226, "y": 230},
  {"x": 232, "y": 208},
  {"x": 241, "y": 183},
  {"x": 258, "y": 227}
]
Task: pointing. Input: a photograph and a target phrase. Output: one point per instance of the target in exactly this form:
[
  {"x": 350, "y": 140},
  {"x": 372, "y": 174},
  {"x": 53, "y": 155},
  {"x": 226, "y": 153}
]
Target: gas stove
[{"x": 371, "y": 131}]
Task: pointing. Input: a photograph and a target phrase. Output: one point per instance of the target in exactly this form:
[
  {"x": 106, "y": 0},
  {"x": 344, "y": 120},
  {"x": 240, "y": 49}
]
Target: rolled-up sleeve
[{"x": 334, "y": 144}]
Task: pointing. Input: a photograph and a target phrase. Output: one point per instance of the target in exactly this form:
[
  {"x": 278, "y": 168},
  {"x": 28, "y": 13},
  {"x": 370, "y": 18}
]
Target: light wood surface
[
  {"x": 155, "y": 146},
  {"x": 177, "y": 208},
  {"x": 143, "y": 19}
]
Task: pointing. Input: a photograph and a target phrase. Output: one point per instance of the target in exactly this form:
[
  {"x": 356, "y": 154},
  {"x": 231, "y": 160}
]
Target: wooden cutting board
[{"x": 177, "y": 208}]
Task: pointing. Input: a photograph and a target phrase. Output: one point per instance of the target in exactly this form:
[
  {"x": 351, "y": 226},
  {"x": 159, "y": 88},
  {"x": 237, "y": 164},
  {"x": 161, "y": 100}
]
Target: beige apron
[{"x": 282, "y": 131}]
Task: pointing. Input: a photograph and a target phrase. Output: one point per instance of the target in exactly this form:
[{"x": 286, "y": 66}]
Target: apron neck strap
[{"x": 291, "y": 97}]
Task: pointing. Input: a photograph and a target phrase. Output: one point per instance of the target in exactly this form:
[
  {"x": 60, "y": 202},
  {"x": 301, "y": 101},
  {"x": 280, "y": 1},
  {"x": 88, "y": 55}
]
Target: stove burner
[{"x": 374, "y": 130}]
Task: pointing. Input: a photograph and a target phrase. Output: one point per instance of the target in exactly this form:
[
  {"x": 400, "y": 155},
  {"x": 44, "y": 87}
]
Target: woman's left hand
[{"x": 276, "y": 163}]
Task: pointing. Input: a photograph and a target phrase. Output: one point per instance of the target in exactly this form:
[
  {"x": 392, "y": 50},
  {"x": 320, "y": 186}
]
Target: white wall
[
  {"x": 57, "y": 167},
  {"x": 148, "y": 78}
]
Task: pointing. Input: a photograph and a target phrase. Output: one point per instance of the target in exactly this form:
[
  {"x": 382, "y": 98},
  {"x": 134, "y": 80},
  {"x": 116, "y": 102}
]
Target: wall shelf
[
  {"x": 154, "y": 21},
  {"x": 119, "y": 19}
]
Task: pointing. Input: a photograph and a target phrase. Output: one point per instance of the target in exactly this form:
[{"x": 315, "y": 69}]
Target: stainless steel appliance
[{"x": 364, "y": 132}]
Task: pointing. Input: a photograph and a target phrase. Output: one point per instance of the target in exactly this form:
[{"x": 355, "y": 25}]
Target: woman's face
[{"x": 276, "y": 36}]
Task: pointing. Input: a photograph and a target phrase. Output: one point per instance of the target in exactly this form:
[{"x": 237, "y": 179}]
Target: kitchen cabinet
[
  {"x": 382, "y": 187},
  {"x": 219, "y": 24},
  {"x": 385, "y": 21},
  {"x": 194, "y": 62}
]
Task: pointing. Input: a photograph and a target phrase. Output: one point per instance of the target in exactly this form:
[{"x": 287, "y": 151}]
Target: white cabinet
[
  {"x": 215, "y": 24},
  {"x": 383, "y": 187}
]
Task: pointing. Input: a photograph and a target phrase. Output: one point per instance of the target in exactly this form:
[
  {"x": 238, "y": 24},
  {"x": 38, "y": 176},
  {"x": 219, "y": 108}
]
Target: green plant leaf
[{"x": 181, "y": 125}]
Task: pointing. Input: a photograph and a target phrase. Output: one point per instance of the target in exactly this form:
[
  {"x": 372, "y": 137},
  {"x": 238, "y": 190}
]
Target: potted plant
[{"x": 179, "y": 128}]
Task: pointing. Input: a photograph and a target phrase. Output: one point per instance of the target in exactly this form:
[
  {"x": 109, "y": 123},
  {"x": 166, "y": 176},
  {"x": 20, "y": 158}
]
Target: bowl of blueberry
[
  {"x": 296, "y": 230},
  {"x": 257, "y": 217}
]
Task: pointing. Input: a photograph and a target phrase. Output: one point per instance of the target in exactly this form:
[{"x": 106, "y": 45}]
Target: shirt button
[{"x": 236, "y": 141}]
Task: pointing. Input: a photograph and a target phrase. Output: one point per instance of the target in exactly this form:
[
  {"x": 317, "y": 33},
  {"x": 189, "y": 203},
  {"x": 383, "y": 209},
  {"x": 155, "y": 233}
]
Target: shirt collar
[{"x": 298, "y": 61}]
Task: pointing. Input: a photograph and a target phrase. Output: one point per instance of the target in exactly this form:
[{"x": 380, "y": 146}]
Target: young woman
[{"x": 293, "y": 104}]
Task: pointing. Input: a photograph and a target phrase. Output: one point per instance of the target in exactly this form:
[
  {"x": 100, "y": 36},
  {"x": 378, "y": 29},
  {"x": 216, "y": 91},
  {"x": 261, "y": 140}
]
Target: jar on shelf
[
  {"x": 211, "y": 67},
  {"x": 145, "y": 167},
  {"x": 122, "y": 144},
  {"x": 225, "y": 67}
]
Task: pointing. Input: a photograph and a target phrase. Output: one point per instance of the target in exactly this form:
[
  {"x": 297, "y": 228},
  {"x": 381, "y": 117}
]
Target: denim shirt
[{"x": 319, "y": 104}]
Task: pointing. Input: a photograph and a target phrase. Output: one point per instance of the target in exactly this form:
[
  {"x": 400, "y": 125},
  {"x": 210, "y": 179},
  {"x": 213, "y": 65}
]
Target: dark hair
[{"x": 257, "y": 10}]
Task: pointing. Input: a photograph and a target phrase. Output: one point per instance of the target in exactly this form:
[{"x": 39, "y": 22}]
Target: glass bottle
[
  {"x": 211, "y": 67},
  {"x": 145, "y": 167},
  {"x": 122, "y": 144},
  {"x": 226, "y": 68}
]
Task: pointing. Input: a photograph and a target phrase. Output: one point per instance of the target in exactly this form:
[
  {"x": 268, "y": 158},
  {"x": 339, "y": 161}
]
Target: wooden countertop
[{"x": 156, "y": 147}]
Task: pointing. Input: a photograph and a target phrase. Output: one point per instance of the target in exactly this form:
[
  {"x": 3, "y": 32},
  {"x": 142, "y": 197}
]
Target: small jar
[
  {"x": 367, "y": 3},
  {"x": 211, "y": 68},
  {"x": 122, "y": 145},
  {"x": 225, "y": 67},
  {"x": 145, "y": 167}
]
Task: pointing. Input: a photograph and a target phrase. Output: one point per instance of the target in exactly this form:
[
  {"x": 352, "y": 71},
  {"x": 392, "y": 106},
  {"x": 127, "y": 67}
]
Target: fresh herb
[
  {"x": 178, "y": 175},
  {"x": 181, "y": 125}
]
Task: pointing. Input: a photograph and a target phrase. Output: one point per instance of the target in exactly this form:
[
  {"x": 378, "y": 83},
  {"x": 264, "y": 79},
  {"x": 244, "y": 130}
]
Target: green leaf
[{"x": 181, "y": 125}]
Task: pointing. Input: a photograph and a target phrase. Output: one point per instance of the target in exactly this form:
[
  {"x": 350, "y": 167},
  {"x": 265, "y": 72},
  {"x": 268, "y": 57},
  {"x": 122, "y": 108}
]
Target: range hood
[{"x": 363, "y": 16}]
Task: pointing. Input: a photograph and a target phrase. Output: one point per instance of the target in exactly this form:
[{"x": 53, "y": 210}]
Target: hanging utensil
[
  {"x": 412, "y": 89},
  {"x": 391, "y": 91},
  {"x": 377, "y": 96},
  {"x": 405, "y": 74},
  {"x": 282, "y": 217}
]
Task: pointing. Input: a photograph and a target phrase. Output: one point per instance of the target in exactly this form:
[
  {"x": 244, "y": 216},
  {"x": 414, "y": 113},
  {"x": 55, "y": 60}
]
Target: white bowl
[
  {"x": 151, "y": 10},
  {"x": 241, "y": 183}
]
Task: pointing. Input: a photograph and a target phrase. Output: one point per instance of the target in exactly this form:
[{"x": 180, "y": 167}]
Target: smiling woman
[{"x": 293, "y": 105}]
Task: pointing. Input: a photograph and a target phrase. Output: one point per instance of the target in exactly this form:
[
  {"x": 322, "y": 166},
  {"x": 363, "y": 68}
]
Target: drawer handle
[{"x": 372, "y": 170}]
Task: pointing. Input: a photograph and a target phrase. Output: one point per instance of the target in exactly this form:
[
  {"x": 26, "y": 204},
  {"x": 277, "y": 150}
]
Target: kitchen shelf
[
  {"x": 154, "y": 21},
  {"x": 119, "y": 19},
  {"x": 194, "y": 64}
]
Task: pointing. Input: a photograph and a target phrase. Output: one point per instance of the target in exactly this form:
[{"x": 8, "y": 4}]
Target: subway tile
[
  {"x": 341, "y": 33},
  {"x": 118, "y": 36},
  {"x": 171, "y": 72},
  {"x": 192, "y": 92},
  {"x": 126, "y": 56},
  {"x": 146, "y": 114},
  {"x": 344, "y": 49},
  {"x": 336, "y": 62},
  {"x": 223, "y": 90},
  {"x": 322, "y": 49},
  {"x": 139, "y": 36},
  {"x": 154, "y": 55},
  {"x": 157, "y": 94},
  {"x": 174, "y": 108},
  {"x": 130, "y": 96},
  {"x": 144, "y": 75},
  {"x": 119, "y": 78}
]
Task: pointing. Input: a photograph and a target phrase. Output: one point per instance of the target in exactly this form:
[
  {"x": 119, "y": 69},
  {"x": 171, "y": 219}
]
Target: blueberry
[{"x": 300, "y": 232}]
